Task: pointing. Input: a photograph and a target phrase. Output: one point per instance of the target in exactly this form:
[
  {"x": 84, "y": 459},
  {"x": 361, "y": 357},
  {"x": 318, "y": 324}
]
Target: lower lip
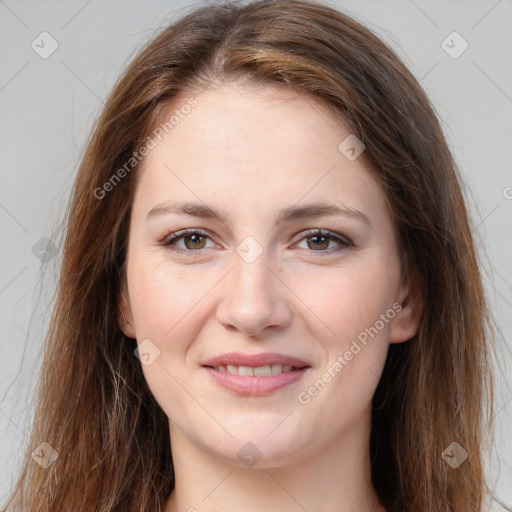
[{"x": 255, "y": 386}]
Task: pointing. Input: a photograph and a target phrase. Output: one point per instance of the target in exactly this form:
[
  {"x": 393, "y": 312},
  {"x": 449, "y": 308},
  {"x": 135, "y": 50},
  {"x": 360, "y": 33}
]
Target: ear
[
  {"x": 407, "y": 320},
  {"x": 124, "y": 313}
]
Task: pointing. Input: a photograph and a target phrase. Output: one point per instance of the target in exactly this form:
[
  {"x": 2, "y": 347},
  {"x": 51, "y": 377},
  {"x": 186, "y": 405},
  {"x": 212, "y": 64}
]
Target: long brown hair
[{"x": 94, "y": 407}]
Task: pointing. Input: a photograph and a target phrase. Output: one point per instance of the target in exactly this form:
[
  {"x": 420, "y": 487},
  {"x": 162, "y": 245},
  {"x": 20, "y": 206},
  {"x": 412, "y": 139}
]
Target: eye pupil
[
  {"x": 197, "y": 239},
  {"x": 323, "y": 238}
]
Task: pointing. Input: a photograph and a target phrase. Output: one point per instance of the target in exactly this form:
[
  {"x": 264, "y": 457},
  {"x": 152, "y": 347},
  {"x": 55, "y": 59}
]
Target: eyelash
[{"x": 343, "y": 241}]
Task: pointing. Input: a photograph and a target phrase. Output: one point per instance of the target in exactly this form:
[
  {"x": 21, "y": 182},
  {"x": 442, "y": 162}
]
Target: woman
[{"x": 269, "y": 296}]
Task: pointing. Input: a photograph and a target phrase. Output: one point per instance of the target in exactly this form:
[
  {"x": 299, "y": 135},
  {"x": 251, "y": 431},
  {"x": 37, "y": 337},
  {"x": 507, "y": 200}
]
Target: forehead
[{"x": 238, "y": 143}]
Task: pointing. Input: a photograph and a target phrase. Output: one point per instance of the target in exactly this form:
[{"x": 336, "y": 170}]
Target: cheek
[
  {"x": 166, "y": 308},
  {"x": 169, "y": 305},
  {"x": 349, "y": 300},
  {"x": 355, "y": 309}
]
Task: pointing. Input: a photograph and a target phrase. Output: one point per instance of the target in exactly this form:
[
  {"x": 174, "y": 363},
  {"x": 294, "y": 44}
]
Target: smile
[
  {"x": 258, "y": 371},
  {"x": 255, "y": 381}
]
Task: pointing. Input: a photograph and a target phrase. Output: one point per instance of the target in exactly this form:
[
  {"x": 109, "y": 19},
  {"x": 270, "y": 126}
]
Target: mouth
[
  {"x": 255, "y": 380},
  {"x": 256, "y": 371}
]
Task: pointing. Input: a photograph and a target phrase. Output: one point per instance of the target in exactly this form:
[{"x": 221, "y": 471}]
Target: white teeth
[
  {"x": 258, "y": 371},
  {"x": 232, "y": 369},
  {"x": 262, "y": 371},
  {"x": 276, "y": 369},
  {"x": 245, "y": 371}
]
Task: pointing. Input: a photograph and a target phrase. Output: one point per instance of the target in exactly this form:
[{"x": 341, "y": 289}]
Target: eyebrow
[{"x": 285, "y": 215}]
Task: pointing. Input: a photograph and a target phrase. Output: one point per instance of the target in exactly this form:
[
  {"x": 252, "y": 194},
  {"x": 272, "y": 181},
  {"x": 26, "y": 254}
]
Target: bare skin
[{"x": 250, "y": 152}]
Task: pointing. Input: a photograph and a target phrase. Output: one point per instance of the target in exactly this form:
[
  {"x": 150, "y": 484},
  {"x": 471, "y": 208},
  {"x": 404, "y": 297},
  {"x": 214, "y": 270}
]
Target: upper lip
[{"x": 263, "y": 359}]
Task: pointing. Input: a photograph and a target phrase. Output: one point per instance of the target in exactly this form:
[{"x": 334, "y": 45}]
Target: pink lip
[
  {"x": 255, "y": 386},
  {"x": 263, "y": 359}
]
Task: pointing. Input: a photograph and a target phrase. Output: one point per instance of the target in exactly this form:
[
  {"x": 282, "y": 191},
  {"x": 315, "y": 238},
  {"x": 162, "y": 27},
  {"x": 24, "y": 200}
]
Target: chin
[{"x": 258, "y": 451}]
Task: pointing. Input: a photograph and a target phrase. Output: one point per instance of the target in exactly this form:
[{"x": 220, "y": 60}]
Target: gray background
[{"x": 48, "y": 105}]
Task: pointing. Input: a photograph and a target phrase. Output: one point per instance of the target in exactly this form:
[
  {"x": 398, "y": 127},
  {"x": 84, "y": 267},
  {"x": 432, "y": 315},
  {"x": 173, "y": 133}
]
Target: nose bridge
[
  {"x": 253, "y": 277},
  {"x": 252, "y": 281},
  {"x": 251, "y": 272},
  {"x": 254, "y": 299}
]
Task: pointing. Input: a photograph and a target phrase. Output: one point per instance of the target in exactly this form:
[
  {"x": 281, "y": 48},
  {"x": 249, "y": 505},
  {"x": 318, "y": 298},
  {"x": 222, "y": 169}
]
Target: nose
[{"x": 255, "y": 299}]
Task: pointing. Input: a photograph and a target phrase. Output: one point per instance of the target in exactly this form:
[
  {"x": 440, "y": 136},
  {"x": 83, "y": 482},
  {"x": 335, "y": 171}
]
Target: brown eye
[
  {"x": 318, "y": 242},
  {"x": 187, "y": 241},
  {"x": 196, "y": 241}
]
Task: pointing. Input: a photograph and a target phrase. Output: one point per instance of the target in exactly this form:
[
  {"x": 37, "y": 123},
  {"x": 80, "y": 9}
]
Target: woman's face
[{"x": 242, "y": 170}]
